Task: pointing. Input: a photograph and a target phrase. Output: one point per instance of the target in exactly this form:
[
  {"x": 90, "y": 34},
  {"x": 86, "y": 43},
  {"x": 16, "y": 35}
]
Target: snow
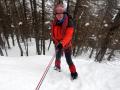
[
  {"x": 85, "y": 6},
  {"x": 93, "y": 37},
  {"x": 87, "y": 24},
  {"x": 20, "y": 23},
  {"x": 96, "y": 6},
  {"x": 24, "y": 73},
  {"x": 106, "y": 25},
  {"x": 114, "y": 17},
  {"x": 12, "y": 26}
]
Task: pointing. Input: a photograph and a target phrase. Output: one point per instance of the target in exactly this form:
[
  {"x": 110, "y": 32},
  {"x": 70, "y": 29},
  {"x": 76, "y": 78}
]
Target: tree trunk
[
  {"x": 1, "y": 52},
  {"x": 49, "y": 44},
  {"x": 103, "y": 49},
  {"x": 6, "y": 37},
  {"x": 35, "y": 25},
  {"x": 111, "y": 54},
  {"x": 91, "y": 53},
  {"x": 75, "y": 22},
  {"x": 68, "y": 1},
  {"x": 12, "y": 37},
  {"x": 106, "y": 41},
  {"x": 43, "y": 20},
  {"x": 25, "y": 35},
  {"x": 27, "y": 47},
  {"x": 37, "y": 46},
  {"x": 6, "y": 51},
  {"x": 77, "y": 51},
  {"x": 19, "y": 45}
]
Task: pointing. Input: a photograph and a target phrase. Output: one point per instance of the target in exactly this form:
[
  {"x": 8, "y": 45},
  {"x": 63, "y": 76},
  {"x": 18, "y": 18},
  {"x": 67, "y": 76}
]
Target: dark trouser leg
[
  {"x": 58, "y": 57},
  {"x": 69, "y": 60},
  {"x": 72, "y": 67},
  {"x": 68, "y": 56}
]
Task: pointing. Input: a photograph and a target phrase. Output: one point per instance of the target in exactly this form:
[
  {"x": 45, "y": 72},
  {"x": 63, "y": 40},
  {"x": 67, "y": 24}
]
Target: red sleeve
[
  {"x": 52, "y": 36},
  {"x": 68, "y": 36}
]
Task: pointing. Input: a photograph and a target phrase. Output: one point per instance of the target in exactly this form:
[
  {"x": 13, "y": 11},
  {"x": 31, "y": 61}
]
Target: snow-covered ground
[{"x": 24, "y": 73}]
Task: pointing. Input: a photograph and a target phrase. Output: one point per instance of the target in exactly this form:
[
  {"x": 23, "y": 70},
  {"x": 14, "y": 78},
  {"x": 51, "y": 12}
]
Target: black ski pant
[{"x": 67, "y": 52}]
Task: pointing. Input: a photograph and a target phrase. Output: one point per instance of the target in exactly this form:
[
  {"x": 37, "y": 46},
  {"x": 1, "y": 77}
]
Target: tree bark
[
  {"x": 43, "y": 30},
  {"x": 115, "y": 25},
  {"x": 91, "y": 53},
  {"x": 1, "y": 52},
  {"x": 35, "y": 25}
]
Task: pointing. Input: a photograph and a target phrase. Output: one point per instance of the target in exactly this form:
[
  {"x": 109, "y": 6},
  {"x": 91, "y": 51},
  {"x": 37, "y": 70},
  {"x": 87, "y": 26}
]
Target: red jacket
[{"x": 65, "y": 36}]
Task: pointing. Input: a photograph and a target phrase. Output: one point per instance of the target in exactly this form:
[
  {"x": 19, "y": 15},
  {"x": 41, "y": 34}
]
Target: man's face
[
  {"x": 59, "y": 13},
  {"x": 59, "y": 16}
]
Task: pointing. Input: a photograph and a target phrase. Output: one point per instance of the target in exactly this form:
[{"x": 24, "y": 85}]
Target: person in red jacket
[{"x": 62, "y": 32}]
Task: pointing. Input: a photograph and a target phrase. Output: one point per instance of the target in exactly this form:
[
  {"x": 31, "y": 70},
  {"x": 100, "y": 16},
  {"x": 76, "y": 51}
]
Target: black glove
[
  {"x": 59, "y": 46},
  {"x": 53, "y": 41}
]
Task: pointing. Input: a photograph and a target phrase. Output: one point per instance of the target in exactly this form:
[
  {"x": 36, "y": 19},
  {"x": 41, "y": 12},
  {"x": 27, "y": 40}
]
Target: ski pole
[{"x": 45, "y": 73}]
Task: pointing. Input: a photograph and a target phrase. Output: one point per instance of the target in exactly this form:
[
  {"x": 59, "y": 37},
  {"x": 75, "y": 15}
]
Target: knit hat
[{"x": 59, "y": 8}]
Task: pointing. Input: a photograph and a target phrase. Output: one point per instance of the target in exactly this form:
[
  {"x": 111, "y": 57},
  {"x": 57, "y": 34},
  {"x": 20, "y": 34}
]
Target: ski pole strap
[{"x": 45, "y": 73}]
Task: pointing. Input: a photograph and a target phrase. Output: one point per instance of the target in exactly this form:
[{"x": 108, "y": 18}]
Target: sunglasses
[{"x": 58, "y": 13}]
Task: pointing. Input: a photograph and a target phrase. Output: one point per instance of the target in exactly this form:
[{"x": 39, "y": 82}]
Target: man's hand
[{"x": 59, "y": 46}]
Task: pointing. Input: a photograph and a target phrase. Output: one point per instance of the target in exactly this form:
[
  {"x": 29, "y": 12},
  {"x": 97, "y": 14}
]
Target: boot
[
  {"x": 74, "y": 75},
  {"x": 57, "y": 65},
  {"x": 57, "y": 69}
]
